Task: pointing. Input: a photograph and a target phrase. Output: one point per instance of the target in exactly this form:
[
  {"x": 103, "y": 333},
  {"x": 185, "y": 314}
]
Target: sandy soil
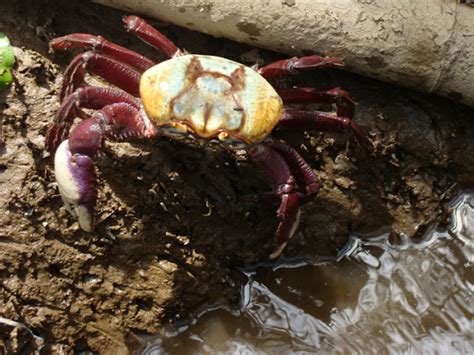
[{"x": 174, "y": 223}]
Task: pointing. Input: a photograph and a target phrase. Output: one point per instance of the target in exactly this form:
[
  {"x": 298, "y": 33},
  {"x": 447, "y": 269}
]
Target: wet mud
[{"x": 175, "y": 222}]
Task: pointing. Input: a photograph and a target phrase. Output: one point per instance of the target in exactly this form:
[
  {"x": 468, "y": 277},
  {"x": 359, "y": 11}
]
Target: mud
[{"x": 175, "y": 222}]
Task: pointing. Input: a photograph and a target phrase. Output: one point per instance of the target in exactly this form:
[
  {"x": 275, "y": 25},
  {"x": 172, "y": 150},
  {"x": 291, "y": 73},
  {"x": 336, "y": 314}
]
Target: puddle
[{"x": 379, "y": 297}]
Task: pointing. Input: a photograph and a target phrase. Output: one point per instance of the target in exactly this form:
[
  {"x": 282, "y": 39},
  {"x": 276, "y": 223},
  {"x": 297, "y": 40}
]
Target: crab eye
[{"x": 223, "y": 136}]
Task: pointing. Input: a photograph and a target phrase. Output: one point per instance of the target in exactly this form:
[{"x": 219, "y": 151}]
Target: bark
[{"x": 425, "y": 45}]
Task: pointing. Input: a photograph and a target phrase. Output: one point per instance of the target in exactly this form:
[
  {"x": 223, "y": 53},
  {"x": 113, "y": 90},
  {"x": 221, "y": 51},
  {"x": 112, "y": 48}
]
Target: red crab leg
[
  {"x": 321, "y": 121},
  {"x": 299, "y": 168},
  {"x": 91, "y": 97},
  {"x": 278, "y": 174},
  {"x": 295, "y": 64},
  {"x": 111, "y": 70},
  {"x": 99, "y": 43},
  {"x": 73, "y": 164},
  {"x": 151, "y": 35},
  {"x": 344, "y": 103}
]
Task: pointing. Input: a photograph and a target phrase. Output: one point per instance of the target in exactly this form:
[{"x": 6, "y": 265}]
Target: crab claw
[{"x": 76, "y": 180}]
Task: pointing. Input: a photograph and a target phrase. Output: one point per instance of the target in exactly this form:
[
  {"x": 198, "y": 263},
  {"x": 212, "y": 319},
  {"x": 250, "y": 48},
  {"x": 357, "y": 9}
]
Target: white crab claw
[{"x": 75, "y": 176}]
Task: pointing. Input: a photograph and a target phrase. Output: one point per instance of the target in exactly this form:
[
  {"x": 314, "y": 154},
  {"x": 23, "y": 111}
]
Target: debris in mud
[{"x": 16, "y": 338}]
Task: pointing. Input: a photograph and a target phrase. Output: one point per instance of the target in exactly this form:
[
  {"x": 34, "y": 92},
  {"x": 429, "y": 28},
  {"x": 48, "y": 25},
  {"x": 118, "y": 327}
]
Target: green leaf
[{"x": 7, "y": 59}]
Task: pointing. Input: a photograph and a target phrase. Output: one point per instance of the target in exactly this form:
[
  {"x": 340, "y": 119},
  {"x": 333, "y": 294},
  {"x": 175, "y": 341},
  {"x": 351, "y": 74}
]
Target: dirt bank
[{"x": 174, "y": 224}]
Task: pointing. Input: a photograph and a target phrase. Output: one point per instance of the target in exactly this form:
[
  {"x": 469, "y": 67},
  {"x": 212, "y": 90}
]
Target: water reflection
[{"x": 380, "y": 297}]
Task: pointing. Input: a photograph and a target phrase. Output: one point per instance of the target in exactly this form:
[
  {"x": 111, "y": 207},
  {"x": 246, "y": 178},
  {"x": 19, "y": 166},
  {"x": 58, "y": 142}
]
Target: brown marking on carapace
[
  {"x": 207, "y": 114},
  {"x": 236, "y": 81},
  {"x": 193, "y": 69},
  {"x": 238, "y": 78}
]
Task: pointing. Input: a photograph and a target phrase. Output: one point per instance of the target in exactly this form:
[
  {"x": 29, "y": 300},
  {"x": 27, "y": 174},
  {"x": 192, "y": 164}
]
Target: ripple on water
[{"x": 379, "y": 297}]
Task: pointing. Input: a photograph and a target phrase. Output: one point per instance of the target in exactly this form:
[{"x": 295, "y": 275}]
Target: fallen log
[{"x": 425, "y": 45}]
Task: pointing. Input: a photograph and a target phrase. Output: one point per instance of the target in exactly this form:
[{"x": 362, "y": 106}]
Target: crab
[{"x": 198, "y": 99}]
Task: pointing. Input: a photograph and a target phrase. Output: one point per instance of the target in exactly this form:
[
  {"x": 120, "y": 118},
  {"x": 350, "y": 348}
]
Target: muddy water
[{"x": 378, "y": 297}]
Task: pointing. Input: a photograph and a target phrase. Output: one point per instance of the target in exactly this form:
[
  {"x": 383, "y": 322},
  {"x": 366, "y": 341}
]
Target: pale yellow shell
[{"x": 210, "y": 97}]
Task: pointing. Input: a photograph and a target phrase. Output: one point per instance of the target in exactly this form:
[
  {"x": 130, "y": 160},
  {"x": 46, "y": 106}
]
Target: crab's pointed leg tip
[
  {"x": 286, "y": 231},
  {"x": 131, "y": 22},
  {"x": 277, "y": 251},
  {"x": 76, "y": 181}
]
